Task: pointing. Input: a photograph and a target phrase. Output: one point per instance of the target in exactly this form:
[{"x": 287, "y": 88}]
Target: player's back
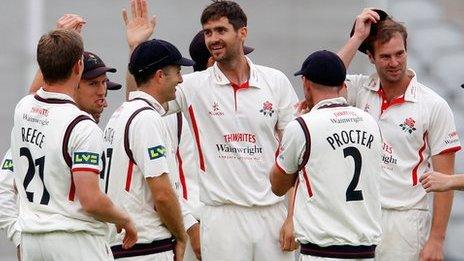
[
  {"x": 337, "y": 201},
  {"x": 46, "y": 144}
]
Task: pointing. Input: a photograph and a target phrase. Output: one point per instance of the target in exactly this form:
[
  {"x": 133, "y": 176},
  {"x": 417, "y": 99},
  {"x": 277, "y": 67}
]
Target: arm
[
  {"x": 287, "y": 232},
  {"x": 442, "y": 202},
  {"x": 168, "y": 208},
  {"x": 8, "y": 200},
  {"x": 362, "y": 29},
  {"x": 99, "y": 206},
  {"x": 439, "y": 182},
  {"x": 69, "y": 22},
  {"x": 138, "y": 29},
  {"x": 280, "y": 181}
]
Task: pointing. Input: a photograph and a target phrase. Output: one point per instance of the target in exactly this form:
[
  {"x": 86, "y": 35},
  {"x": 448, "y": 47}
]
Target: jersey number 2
[
  {"x": 31, "y": 170},
  {"x": 351, "y": 193}
]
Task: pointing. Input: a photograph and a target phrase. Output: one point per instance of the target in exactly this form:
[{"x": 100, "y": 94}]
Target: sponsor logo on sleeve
[
  {"x": 8, "y": 165},
  {"x": 157, "y": 152},
  {"x": 86, "y": 158}
]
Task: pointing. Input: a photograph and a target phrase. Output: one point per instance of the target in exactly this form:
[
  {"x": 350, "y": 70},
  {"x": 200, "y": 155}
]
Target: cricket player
[{"x": 333, "y": 154}]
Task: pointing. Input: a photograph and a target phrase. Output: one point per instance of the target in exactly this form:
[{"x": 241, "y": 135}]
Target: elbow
[
  {"x": 91, "y": 205},
  {"x": 163, "y": 198},
  {"x": 278, "y": 191}
]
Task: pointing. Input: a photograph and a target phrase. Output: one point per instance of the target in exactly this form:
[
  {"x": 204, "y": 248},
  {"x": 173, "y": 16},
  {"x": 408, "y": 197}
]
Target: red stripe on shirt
[
  {"x": 183, "y": 182},
  {"x": 96, "y": 171},
  {"x": 130, "y": 169},
  {"x": 197, "y": 137},
  {"x": 308, "y": 184},
  {"x": 421, "y": 158},
  {"x": 450, "y": 150}
]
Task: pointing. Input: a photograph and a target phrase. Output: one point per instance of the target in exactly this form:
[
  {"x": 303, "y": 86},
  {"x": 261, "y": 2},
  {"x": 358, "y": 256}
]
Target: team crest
[
  {"x": 156, "y": 152},
  {"x": 267, "y": 109},
  {"x": 408, "y": 125},
  {"x": 86, "y": 158},
  {"x": 8, "y": 165}
]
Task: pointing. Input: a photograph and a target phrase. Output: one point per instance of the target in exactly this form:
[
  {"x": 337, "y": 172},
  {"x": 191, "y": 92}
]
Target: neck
[
  {"x": 236, "y": 70},
  {"x": 150, "y": 90},
  {"x": 396, "y": 89},
  {"x": 68, "y": 88},
  {"x": 318, "y": 97}
]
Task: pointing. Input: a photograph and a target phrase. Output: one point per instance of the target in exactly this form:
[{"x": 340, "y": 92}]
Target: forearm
[
  {"x": 442, "y": 201},
  {"x": 290, "y": 200},
  {"x": 37, "y": 83},
  {"x": 170, "y": 213},
  {"x": 106, "y": 211},
  {"x": 457, "y": 182},
  {"x": 442, "y": 204},
  {"x": 349, "y": 50}
]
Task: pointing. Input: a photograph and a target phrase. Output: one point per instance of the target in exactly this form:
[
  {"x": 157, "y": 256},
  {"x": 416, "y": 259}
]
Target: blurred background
[{"x": 283, "y": 33}]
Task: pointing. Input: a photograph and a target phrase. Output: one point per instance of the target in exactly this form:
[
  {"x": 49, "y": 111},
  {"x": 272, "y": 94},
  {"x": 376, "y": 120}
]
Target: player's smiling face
[
  {"x": 90, "y": 96},
  {"x": 390, "y": 59},
  {"x": 172, "y": 77},
  {"x": 223, "y": 41}
]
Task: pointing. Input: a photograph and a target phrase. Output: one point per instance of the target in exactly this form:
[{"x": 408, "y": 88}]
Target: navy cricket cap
[
  {"x": 200, "y": 53},
  {"x": 94, "y": 67},
  {"x": 383, "y": 16},
  {"x": 155, "y": 54},
  {"x": 324, "y": 68}
]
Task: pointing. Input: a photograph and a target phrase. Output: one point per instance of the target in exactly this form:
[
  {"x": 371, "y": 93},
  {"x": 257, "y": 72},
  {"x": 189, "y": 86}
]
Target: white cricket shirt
[
  {"x": 235, "y": 131},
  {"x": 337, "y": 199},
  {"x": 415, "y": 127},
  {"x": 47, "y": 145}
]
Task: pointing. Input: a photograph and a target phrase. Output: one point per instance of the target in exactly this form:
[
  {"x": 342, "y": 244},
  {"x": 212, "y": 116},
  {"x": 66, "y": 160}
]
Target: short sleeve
[
  {"x": 8, "y": 200},
  {"x": 354, "y": 82},
  {"x": 148, "y": 144},
  {"x": 86, "y": 146},
  {"x": 287, "y": 100},
  {"x": 442, "y": 134},
  {"x": 292, "y": 148}
]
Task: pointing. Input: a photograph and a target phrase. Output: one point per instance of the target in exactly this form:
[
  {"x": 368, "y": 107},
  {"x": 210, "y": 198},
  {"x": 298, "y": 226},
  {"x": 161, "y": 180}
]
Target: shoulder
[{"x": 270, "y": 73}]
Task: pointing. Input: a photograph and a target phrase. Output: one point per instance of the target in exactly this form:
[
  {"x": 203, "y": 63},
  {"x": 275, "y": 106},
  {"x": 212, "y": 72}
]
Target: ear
[
  {"x": 243, "y": 33},
  {"x": 78, "y": 66},
  {"x": 371, "y": 57}
]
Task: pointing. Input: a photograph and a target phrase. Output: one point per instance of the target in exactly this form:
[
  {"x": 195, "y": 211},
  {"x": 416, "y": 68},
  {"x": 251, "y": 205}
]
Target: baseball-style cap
[
  {"x": 94, "y": 67},
  {"x": 200, "y": 54},
  {"x": 324, "y": 68},
  {"x": 155, "y": 54},
  {"x": 383, "y": 15}
]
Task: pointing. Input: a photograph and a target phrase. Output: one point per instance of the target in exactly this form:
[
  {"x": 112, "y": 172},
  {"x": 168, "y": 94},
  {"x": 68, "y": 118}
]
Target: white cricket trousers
[
  {"x": 69, "y": 246},
  {"x": 235, "y": 233},
  {"x": 404, "y": 233}
]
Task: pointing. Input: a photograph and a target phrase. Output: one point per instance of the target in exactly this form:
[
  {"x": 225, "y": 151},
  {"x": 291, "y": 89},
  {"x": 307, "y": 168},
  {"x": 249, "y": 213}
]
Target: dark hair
[
  {"x": 57, "y": 53},
  {"x": 144, "y": 77},
  {"x": 385, "y": 31},
  {"x": 234, "y": 13}
]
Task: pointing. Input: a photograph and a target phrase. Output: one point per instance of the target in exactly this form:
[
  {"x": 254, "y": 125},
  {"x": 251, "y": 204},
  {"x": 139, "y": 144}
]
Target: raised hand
[
  {"x": 139, "y": 27},
  {"x": 71, "y": 22}
]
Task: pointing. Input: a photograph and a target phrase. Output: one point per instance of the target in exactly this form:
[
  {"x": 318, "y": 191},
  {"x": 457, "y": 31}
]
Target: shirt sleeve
[
  {"x": 287, "y": 100},
  {"x": 148, "y": 145},
  {"x": 442, "y": 134},
  {"x": 86, "y": 146},
  {"x": 292, "y": 148},
  {"x": 354, "y": 83},
  {"x": 8, "y": 200}
]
